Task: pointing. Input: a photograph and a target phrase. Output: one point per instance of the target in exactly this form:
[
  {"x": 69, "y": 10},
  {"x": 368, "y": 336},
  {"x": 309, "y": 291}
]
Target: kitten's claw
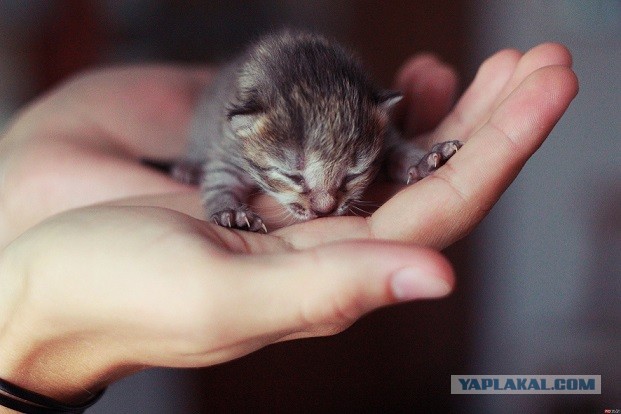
[
  {"x": 239, "y": 218},
  {"x": 434, "y": 159}
]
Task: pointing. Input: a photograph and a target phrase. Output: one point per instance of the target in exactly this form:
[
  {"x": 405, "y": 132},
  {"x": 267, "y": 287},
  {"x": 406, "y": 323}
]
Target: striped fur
[{"x": 297, "y": 117}]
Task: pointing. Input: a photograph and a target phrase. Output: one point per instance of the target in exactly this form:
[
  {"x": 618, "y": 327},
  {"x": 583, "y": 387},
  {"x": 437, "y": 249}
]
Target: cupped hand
[
  {"x": 98, "y": 293},
  {"x": 503, "y": 117},
  {"x": 140, "y": 281}
]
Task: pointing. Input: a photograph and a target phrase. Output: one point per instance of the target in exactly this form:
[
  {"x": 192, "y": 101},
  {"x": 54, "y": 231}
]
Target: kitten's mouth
[{"x": 302, "y": 213}]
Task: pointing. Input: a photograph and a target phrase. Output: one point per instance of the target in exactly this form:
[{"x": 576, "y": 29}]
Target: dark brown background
[{"x": 394, "y": 360}]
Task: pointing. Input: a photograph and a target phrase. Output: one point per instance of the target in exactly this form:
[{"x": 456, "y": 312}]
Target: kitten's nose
[
  {"x": 324, "y": 213},
  {"x": 323, "y": 204}
]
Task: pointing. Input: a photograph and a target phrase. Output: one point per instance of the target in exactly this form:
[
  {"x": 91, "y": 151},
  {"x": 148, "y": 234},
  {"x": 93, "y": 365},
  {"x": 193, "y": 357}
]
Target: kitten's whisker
[
  {"x": 278, "y": 215},
  {"x": 353, "y": 208},
  {"x": 366, "y": 202}
]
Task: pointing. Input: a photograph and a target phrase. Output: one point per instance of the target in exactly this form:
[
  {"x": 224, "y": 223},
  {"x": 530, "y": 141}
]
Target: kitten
[{"x": 297, "y": 117}]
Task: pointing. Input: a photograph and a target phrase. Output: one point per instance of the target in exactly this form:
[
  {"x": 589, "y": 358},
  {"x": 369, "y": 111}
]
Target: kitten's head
[{"x": 310, "y": 123}]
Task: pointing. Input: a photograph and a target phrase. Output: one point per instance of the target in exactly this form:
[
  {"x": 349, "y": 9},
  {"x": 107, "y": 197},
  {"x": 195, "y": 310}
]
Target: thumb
[{"x": 323, "y": 290}]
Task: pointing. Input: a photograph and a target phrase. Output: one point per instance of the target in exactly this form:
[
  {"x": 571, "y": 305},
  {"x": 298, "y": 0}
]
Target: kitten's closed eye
[
  {"x": 296, "y": 178},
  {"x": 352, "y": 176},
  {"x": 287, "y": 181}
]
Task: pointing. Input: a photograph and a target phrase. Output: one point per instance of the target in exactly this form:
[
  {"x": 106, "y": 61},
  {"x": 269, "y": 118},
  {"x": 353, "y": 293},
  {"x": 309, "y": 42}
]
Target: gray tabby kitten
[{"x": 297, "y": 117}]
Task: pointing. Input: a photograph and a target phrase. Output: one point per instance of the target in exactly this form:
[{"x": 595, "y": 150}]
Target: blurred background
[{"x": 539, "y": 281}]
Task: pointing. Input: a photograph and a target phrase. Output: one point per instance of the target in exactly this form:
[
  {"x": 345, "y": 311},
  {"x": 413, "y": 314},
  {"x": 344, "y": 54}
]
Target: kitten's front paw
[
  {"x": 239, "y": 219},
  {"x": 434, "y": 159}
]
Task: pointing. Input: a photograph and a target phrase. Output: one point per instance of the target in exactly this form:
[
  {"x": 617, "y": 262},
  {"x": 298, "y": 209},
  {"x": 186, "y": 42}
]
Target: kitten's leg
[
  {"x": 187, "y": 172},
  {"x": 408, "y": 163},
  {"x": 224, "y": 190}
]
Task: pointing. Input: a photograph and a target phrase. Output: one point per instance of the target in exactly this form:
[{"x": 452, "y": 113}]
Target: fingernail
[{"x": 410, "y": 283}]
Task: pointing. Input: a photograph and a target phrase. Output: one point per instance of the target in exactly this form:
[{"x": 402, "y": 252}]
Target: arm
[{"x": 82, "y": 142}]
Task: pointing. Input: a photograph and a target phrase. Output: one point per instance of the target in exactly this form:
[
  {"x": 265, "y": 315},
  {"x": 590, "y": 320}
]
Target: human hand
[
  {"x": 503, "y": 117},
  {"x": 98, "y": 293}
]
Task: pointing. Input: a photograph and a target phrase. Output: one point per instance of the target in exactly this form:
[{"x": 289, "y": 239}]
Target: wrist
[
  {"x": 48, "y": 368},
  {"x": 38, "y": 351}
]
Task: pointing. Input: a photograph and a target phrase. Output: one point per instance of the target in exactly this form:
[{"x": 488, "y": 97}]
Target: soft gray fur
[{"x": 297, "y": 117}]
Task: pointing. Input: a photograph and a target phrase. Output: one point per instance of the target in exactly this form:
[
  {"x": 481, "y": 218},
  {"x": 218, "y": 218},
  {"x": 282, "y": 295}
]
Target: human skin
[{"x": 107, "y": 268}]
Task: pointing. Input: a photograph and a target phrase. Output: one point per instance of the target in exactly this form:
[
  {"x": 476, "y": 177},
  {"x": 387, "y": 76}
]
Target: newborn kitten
[{"x": 297, "y": 117}]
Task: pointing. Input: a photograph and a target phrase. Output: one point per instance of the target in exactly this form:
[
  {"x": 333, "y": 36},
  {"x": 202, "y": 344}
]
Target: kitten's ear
[
  {"x": 245, "y": 120},
  {"x": 244, "y": 125},
  {"x": 388, "y": 99}
]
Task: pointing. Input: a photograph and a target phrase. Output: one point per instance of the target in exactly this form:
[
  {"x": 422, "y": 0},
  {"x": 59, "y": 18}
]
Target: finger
[
  {"x": 444, "y": 207},
  {"x": 322, "y": 291},
  {"x": 546, "y": 54},
  {"x": 429, "y": 88},
  {"x": 478, "y": 100},
  {"x": 496, "y": 79}
]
